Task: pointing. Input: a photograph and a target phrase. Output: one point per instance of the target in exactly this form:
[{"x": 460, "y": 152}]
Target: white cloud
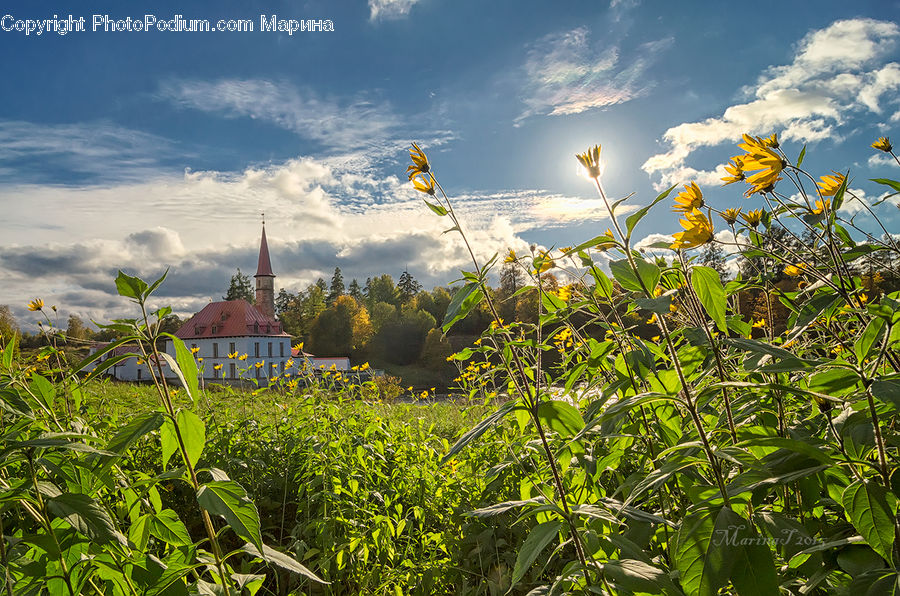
[
  {"x": 835, "y": 71},
  {"x": 566, "y": 74},
  {"x": 389, "y": 9},
  {"x": 332, "y": 122}
]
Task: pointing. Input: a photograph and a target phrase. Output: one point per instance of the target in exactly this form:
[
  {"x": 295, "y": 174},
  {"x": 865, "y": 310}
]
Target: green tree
[
  {"x": 380, "y": 313},
  {"x": 240, "y": 288},
  {"x": 401, "y": 339},
  {"x": 382, "y": 289},
  {"x": 355, "y": 292},
  {"x": 283, "y": 301},
  {"x": 332, "y": 332},
  {"x": 337, "y": 286},
  {"x": 8, "y": 325},
  {"x": 408, "y": 287},
  {"x": 77, "y": 330}
]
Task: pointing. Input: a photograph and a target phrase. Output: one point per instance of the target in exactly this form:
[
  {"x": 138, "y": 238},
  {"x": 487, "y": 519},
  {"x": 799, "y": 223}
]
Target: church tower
[{"x": 265, "y": 279}]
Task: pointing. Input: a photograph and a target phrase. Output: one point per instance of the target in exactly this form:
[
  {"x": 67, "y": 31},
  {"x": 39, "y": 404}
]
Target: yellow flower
[
  {"x": 590, "y": 160},
  {"x": 565, "y": 293},
  {"x": 652, "y": 319},
  {"x": 365, "y": 366},
  {"x": 794, "y": 270},
  {"x": 771, "y": 141},
  {"x": 752, "y": 218},
  {"x": 199, "y": 359},
  {"x": 759, "y": 324},
  {"x": 299, "y": 346},
  {"x": 829, "y": 185},
  {"x": 698, "y": 230},
  {"x": 242, "y": 356},
  {"x": 36, "y": 304},
  {"x": 274, "y": 365},
  {"x": 882, "y": 144},
  {"x": 195, "y": 349},
  {"x": 232, "y": 355},
  {"x": 510, "y": 257},
  {"x": 730, "y": 215},
  {"x": 689, "y": 199},
  {"x": 259, "y": 364},
  {"x": 426, "y": 185},
  {"x": 863, "y": 298},
  {"x": 495, "y": 324},
  {"x": 420, "y": 162},
  {"x": 760, "y": 157},
  {"x": 822, "y": 206},
  {"x": 607, "y": 244},
  {"x": 735, "y": 169},
  {"x": 542, "y": 263},
  {"x": 217, "y": 367}
]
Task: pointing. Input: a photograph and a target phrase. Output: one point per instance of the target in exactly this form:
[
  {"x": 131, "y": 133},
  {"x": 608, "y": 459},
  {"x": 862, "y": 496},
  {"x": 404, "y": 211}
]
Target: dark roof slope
[{"x": 229, "y": 319}]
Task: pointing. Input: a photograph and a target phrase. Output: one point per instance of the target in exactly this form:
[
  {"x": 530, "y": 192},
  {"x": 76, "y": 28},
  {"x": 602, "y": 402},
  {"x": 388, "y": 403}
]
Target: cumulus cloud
[
  {"x": 566, "y": 74},
  {"x": 389, "y": 9},
  {"x": 835, "y": 71}
]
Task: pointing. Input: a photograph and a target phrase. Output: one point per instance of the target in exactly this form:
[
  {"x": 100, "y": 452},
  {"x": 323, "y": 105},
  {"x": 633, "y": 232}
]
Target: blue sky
[{"x": 147, "y": 150}]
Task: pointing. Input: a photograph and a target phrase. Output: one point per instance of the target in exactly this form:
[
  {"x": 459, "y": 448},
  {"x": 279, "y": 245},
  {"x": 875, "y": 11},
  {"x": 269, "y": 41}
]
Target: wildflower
[
  {"x": 242, "y": 356},
  {"x": 760, "y": 324},
  {"x": 882, "y": 144},
  {"x": 426, "y": 184},
  {"x": 607, "y": 244},
  {"x": 655, "y": 338},
  {"x": 752, "y": 218},
  {"x": 760, "y": 157},
  {"x": 863, "y": 298},
  {"x": 837, "y": 349},
  {"x": 542, "y": 263},
  {"x": 590, "y": 160},
  {"x": 735, "y": 169},
  {"x": 771, "y": 141},
  {"x": 299, "y": 346},
  {"x": 510, "y": 257},
  {"x": 36, "y": 304},
  {"x": 730, "y": 215},
  {"x": 139, "y": 360},
  {"x": 794, "y": 270},
  {"x": 259, "y": 364},
  {"x": 364, "y": 366},
  {"x": 195, "y": 349},
  {"x": 829, "y": 185},
  {"x": 217, "y": 367},
  {"x": 199, "y": 359},
  {"x": 232, "y": 355},
  {"x": 821, "y": 206},
  {"x": 652, "y": 319},
  {"x": 698, "y": 230},
  {"x": 565, "y": 293},
  {"x": 689, "y": 199},
  {"x": 420, "y": 162},
  {"x": 496, "y": 324}
]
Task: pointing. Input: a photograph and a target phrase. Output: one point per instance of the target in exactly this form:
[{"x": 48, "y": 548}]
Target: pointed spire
[{"x": 264, "y": 266}]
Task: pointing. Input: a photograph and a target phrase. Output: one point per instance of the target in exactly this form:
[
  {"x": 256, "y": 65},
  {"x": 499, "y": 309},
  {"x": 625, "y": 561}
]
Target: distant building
[{"x": 234, "y": 340}]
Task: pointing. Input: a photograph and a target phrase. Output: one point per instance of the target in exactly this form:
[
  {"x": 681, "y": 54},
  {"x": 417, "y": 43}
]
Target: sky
[{"x": 144, "y": 150}]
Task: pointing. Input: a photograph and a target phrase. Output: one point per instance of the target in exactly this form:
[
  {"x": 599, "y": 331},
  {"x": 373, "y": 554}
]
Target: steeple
[{"x": 265, "y": 279}]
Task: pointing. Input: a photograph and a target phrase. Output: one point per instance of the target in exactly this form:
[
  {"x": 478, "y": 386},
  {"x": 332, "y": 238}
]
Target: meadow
[{"x": 748, "y": 446}]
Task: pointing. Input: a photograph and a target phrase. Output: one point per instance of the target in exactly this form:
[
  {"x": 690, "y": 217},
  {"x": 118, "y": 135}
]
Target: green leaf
[
  {"x": 542, "y": 535},
  {"x": 282, "y": 560},
  {"x": 887, "y": 182},
  {"x": 168, "y": 441},
  {"x": 167, "y": 526},
  {"x": 887, "y": 391},
  {"x": 436, "y": 208},
  {"x": 193, "y": 433},
  {"x": 754, "y": 569},
  {"x": 870, "y": 335},
  {"x": 43, "y": 390},
  {"x": 638, "y": 215},
  {"x": 871, "y": 509},
  {"x": 165, "y": 310},
  {"x": 706, "y": 282},
  {"x": 478, "y": 430},
  {"x": 562, "y": 417},
  {"x": 131, "y": 287},
  {"x": 466, "y": 298},
  {"x": 188, "y": 367},
  {"x": 802, "y": 155},
  {"x": 86, "y": 516},
  {"x": 171, "y": 582},
  {"x": 633, "y": 576},
  {"x": 704, "y": 563},
  {"x": 625, "y": 275},
  {"x": 603, "y": 282},
  {"x": 229, "y": 499},
  {"x": 138, "y": 427},
  {"x": 834, "y": 382}
]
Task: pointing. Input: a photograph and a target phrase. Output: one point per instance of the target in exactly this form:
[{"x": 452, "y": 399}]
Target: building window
[
  {"x": 231, "y": 371},
  {"x": 281, "y": 349},
  {"x": 270, "y": 349},
  {"x": 256, "y": 349},
  {"x": 215, "y": 350},
  {"x": 231, "y": 349},
  {"x": 214, "y": 329}
]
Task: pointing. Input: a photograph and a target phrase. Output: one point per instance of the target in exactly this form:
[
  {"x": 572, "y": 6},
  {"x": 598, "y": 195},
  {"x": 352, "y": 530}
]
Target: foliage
[{"x": 240, "y": 288}]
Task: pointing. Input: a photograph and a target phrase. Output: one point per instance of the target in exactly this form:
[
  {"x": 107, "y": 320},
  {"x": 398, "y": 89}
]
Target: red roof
[
  {"x": 229, "y": 319},
  {"x": 264, "y": 266}
]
